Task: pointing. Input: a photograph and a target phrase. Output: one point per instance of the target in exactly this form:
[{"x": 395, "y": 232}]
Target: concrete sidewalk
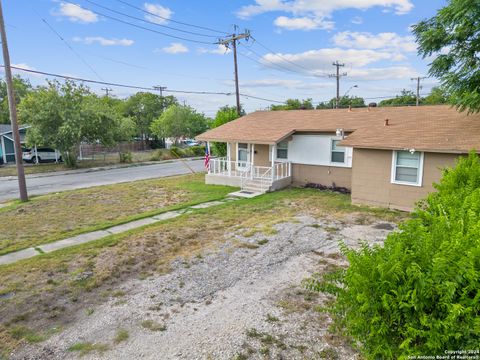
[{"x": 100, "y": 234}]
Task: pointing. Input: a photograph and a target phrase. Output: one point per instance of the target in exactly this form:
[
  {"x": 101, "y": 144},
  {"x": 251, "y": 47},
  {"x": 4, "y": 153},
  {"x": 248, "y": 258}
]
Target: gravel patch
[{"x": 243, "y": 298}]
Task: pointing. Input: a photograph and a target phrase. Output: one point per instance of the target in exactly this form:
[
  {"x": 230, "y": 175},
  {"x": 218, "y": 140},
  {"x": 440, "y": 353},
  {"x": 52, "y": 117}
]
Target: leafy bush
[
  {"x": 177, "y": 152},
  {"x": 126, "y": 157},
  {"x": 419, "y": 294},
  {"x": 161, "y": 154},
  {"x": 70, "y": 159}
]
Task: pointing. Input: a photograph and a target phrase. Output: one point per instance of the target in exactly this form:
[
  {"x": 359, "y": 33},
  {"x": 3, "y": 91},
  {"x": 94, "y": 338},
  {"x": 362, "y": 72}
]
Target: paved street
[{"x": 38, "y": 185}]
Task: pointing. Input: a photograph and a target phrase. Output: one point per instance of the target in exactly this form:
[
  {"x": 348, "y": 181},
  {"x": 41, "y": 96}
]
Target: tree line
[
  {"x": 64, "y": 115},
  {"x": 438, "y": 96}
]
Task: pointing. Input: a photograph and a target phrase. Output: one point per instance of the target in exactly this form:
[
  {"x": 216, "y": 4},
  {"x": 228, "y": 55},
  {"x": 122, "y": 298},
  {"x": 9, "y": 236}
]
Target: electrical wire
[
  {"x": 171, "y": 20},
  {"x": 143, "y": 27},
  {"x": 71, "y": 48},
  {"x": 73, "y": 78},
  {"x": 146, "y": 21},
  {"x": 278, "y": 55}
]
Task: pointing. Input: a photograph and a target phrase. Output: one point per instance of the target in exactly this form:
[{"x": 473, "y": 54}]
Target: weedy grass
[
  {"x": 51, "y": 286},
  {"x": 56, "y": 216},
  {"x": 84, "y": 348}
]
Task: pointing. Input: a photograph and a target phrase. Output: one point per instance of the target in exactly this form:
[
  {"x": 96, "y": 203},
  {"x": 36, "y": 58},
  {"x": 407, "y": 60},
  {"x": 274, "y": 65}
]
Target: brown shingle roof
[{"x": 429, "y": 128}]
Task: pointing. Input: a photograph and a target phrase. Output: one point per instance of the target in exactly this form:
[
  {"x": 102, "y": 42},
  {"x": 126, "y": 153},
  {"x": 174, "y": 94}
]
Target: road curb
[{"x": 95, "y": 169}]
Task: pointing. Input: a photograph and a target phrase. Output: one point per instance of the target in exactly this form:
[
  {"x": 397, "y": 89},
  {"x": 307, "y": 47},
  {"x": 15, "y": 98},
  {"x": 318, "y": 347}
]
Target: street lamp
[{"x": 346, "y": 92}]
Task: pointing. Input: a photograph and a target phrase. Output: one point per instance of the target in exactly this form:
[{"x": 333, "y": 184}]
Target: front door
[{"x": 243, "y": 156}]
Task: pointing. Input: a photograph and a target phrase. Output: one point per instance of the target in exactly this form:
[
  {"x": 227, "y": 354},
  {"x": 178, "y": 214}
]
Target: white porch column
[
  {"x": 274, "y": 150},
  {"x": 229, "y": 159},
  {"x": 252, "y": 158},
  {"x": 209, "y": 154},
  {"x": 4, "y": 154}
]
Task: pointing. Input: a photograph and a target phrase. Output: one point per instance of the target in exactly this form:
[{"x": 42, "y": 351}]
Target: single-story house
[
  {"x": 7, "y": 151},
  {"x": 387, "y": 157}
]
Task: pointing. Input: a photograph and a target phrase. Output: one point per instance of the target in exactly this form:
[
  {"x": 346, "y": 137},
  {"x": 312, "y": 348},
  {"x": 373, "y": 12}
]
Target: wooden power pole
[
  {"x": 232, "y": 39},
  {"x": 12, "y": 106},
  {"x": 337, "y": 75},
  {"x": 418, "y": 80}
]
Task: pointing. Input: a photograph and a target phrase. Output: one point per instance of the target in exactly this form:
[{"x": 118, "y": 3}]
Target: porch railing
[{"x": 246, "y": 170}]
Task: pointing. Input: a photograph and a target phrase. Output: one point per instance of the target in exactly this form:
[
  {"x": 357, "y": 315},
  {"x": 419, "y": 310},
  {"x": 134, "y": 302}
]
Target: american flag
[{"x": 207, "y": 157}]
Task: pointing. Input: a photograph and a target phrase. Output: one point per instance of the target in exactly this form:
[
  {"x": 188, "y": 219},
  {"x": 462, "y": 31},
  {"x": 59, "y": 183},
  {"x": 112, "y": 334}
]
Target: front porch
[{"x": 254, "y": 169}]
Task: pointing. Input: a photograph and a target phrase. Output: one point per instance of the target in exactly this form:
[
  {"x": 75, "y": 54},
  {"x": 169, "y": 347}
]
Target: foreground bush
[{"x": 419, "y": 294}]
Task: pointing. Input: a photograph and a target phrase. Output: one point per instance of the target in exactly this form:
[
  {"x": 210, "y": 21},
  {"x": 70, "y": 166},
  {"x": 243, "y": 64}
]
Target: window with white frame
[
  {"x": 338, "y": 152},
  {"x": 282, "y": 150},
  {"x": 407, "y": 167}
]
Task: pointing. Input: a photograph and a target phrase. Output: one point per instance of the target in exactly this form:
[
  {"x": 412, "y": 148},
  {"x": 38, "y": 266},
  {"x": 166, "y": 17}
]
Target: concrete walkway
[{"x": 100, "y": 234}]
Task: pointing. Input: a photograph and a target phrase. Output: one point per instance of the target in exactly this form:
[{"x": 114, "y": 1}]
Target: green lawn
[{"x": 56, "y": 216}]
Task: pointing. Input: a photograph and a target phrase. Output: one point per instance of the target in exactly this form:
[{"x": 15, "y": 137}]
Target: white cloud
[
  {"x": 303, "y": 23},
  {"x": 357, "y": 20},
  {"x": 282, "y": 83},
  {"x": 387, "y": 73},
  {"x": 175, "y": 48},
  {"x": 365, "y": 40},
  {"x": 220, "y": 50},
  {"x": 76, "y": 13},
  {"x": 103, "y": 41},
  {"x": 319, "y": 10},
  {"x": 161, "y": 14},
  {"x": 319, "y": 60}
]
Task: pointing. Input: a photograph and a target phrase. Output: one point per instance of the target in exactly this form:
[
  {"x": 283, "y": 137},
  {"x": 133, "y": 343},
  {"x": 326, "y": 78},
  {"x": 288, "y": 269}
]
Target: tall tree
[
  {"x": 407, "y": 97},
  {"x": 63, "y": 115},
  {"x": 21, "y": 86},
  {"x": 437, "y": 96},
  {"x": 452, "y": 36},
  {"x": 144, "y": 108},
  {"x": 224, "y": 115},
  {"x": 345, "y": 102},
  {"x": 177, "y": 122},
  {"x": 294, "y": 104}
]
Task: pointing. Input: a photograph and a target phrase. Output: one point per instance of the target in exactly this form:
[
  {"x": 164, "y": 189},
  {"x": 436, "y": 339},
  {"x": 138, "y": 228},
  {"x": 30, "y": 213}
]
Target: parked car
[
  {"x": 190, "y": 143},
  {"x": 43, "y": 154}
]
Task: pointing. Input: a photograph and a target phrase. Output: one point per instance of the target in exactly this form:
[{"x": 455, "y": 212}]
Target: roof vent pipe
[{"x": 386, "y": 122}]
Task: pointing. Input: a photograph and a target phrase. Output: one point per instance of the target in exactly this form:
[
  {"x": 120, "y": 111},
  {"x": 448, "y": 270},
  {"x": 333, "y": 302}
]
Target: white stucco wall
[{"x": 315, "y": 150}]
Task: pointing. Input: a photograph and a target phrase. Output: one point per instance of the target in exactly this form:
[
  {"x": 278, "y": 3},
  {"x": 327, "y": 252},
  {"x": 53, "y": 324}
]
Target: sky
[{"x": 174, "y": 44}]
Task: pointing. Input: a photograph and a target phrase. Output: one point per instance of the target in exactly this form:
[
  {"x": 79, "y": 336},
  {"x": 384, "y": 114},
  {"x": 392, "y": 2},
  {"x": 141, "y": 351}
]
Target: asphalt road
[{"x": 41, "y": 184}]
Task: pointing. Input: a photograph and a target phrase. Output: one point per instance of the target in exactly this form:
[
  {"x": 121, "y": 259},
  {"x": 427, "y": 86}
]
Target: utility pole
[
  {"x": 12, "y": 106},
  {"x": 337, "y": 75},
  {"x": 107, "y": 91},
  {"x": 232, "y": 39},
  {"x": 418, "y": 80},
  {"x": 161, "y": 89}
]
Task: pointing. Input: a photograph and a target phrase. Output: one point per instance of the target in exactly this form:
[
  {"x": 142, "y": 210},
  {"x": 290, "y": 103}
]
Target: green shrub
[
  {"x": 161, "y": 154},
  {"x": 177, "y": 152},
  {"x": 198, "y": 150},
  {"x": 125, "y": 157},
  {"x": 419, "y": 294}
]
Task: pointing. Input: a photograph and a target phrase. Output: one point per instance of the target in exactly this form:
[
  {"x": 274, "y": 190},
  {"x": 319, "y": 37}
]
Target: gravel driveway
[{"x": 243, "y": 300}]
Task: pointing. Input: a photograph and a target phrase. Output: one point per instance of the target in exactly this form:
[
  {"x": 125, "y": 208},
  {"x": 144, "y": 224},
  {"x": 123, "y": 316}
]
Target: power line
[
  {"x": 71, "y": 48},
  {"x": 147, "y": 21},
  {"x": 171, "y": 20},
  {"x": 143, "y": 27},
  {"x": 73, "y": 78},
  {"x": 280, "y": 56}
]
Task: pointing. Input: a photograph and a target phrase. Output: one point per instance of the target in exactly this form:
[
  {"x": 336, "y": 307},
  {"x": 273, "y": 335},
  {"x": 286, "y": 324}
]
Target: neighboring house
[
  {"x": 386, "y": 156},
  {"x": 7, "y": 151}
]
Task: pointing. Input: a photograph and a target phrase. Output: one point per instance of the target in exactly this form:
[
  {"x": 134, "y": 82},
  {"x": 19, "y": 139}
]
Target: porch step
[{"x": 256, "y": 186}]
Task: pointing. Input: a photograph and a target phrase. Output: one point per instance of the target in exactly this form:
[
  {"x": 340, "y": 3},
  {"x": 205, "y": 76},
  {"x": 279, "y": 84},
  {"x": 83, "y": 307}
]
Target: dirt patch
[{"x": 230, "y": 302}]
